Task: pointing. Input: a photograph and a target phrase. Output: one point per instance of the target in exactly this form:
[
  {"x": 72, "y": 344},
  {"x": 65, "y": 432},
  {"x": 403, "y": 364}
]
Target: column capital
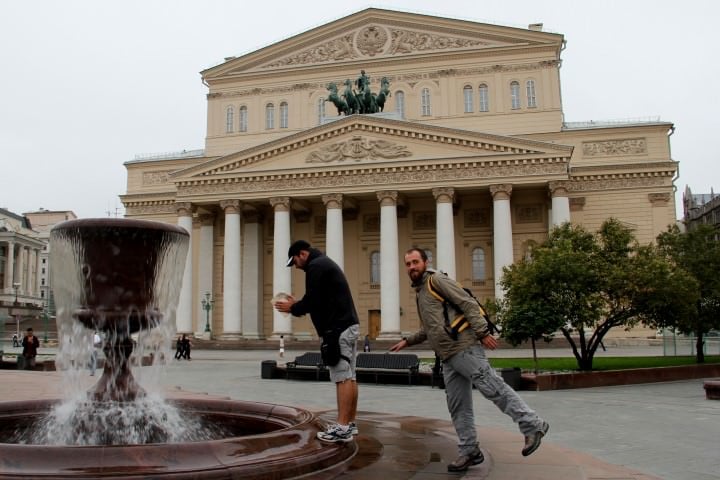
[
  {"x": 387, "y": 197},
  {"x": 280, "y": 204},
  {"x": 184, "y": 209},
  {"x": 558, "y": 188},
  {"x": 206, "y": 219},
  {"x": 333, "y": 200},
  {"x": 230, "y": 206},
  {"x": 501, "y": 191},
  {"x": 444, "y": 194}
]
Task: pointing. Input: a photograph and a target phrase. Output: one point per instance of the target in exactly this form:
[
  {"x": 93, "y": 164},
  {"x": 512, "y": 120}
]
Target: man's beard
[{"x": 415, "y": 275}]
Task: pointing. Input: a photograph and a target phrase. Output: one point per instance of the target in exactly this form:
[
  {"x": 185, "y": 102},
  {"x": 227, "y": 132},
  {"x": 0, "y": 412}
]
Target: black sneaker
[
  {"x": 463, "y": 462},
  {"x": 532, "y": 442}
]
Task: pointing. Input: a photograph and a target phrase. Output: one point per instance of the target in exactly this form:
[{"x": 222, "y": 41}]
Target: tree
[
  {"x": 697, "y": 252},
  {"x": 583, "y": 285}
]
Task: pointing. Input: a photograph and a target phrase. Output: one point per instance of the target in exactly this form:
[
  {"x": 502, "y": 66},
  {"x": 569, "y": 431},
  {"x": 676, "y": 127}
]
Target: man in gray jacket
[{"x": 464, "y": 360}]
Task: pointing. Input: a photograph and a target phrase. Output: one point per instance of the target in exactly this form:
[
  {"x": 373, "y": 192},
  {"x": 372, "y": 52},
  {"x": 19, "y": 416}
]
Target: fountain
[{"x": 120, "y": 277}]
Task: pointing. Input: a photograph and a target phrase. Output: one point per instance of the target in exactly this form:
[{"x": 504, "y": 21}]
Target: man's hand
[
  {"x": 489, "y": 342},
  {"x": 284, "y": 305},
  {"x": 399, "y": 346}
]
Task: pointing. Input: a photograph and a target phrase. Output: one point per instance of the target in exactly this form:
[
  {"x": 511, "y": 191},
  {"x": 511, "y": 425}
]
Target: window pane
[
  {"x": 270, "y": 116},
  {"x": 426, "y": 101},
  {"x": 375, "y": 267},
  {"x": 530, "y": 87},
  {"x": 484, "y": 100},
  {"x": 243, "y": 119},
  {"x": 515, "y": 95},
  {"x": 478, "y": 264},
  {"x": 229, "y": 119},
  {"x": 468, "y": 98},
  {"x": 284, "y": 115},
  {"x": 320, "y": 109},
  {"x": 400, "y": 103}
]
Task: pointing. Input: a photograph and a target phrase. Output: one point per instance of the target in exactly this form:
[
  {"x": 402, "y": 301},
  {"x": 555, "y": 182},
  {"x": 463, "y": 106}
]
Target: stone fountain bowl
[{"x": 266, "y": 441}]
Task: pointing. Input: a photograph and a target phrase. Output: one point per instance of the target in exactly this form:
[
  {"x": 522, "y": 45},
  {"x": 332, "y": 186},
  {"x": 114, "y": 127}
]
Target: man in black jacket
[{"x": 329, "y": 302}]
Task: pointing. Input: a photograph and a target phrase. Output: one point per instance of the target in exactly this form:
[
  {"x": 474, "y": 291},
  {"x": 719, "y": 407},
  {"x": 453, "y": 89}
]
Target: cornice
[{"x": 664, "y": 168}]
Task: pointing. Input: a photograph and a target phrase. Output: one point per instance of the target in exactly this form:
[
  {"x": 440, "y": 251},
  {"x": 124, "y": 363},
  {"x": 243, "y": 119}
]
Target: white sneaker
[
  {"x": 352, "y": 426},
  {"x": 335, "y": 434}
]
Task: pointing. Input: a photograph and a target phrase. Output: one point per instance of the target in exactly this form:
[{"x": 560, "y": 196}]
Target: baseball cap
[{"x": 295, "y": 249}]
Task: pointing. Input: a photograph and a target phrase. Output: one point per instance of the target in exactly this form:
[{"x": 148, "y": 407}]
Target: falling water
[{"x": 125, "y": 408}]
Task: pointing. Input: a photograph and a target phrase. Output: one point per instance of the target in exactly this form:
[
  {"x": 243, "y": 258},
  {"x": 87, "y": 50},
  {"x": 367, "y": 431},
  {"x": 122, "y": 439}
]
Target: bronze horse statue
[
  {"x": 351, "y": 99},
  {"x": 383, "y": 94},
  {"x": 340, "y": 104}
]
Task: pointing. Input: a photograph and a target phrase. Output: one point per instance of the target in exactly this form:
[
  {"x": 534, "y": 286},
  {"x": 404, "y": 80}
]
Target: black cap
[{"x": 297, "y": 247}]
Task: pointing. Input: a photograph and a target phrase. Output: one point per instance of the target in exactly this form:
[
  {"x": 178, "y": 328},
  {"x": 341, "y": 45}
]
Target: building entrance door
[{"x": 373, "y": 323}]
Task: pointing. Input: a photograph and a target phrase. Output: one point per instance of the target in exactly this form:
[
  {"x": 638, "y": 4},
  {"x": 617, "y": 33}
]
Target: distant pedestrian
[
  {"x": 30, "y": 344},
  {"x": 282, "y": 346},
  {"x": 186, "y": 346},
  {"x": 178, "y": 348},
  {"x": 15, "y": 340},
  {"x": 366, "y": 346},
  {"x": 96, "y": 345}
]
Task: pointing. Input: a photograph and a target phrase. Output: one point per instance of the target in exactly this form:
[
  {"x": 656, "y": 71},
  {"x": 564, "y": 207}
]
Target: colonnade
[
  {"x": 22, "y": 269},
  {"x": 242, "y": 261}
]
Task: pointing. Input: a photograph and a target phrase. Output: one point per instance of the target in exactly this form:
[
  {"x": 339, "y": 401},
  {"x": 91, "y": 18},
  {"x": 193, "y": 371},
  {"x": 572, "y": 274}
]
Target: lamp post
[
  {"x": 16, "y": 286},
  {"x": 207, "y": 305}
]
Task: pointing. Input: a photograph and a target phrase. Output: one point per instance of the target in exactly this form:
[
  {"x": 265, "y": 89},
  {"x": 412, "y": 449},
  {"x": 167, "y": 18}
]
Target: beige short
[{"x": 345, "y": 370}]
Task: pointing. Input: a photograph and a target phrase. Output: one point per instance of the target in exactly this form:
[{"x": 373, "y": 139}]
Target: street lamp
[
  {"x": 16, "y": 286},
  {"x": 207, "y": 305}
]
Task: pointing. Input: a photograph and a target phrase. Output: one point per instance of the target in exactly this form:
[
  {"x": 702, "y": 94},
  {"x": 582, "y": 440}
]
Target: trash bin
[
  {"x": 267, "y": 368},
  {"x": 512, "y": 377}
]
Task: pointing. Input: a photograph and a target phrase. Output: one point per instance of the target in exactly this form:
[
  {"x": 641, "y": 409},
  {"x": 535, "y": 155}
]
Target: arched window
[
  {"x": 229, "y": 119},
  {"x": 425, "y": 102},
  {"x": 468, "y": 98},
  {"x": 243, "y": 120},
  {"x": 530, "y": 88},
  {"x": 375, "y": 268},
  {"x": 484, "y": 98},
  {"x": 400, "y": 103},
  {"x": 515, "y": 95},
  {"x": 320, "y": 109},
  {"x": 284, "y": 115},
  {"x": 269, "y": 116},
  {"x": 478, "y": 265}
]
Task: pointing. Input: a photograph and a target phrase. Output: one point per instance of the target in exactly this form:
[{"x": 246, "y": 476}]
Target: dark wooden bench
[
  {"x": 388, "y": 364},
  {"x": 307, "y": 362}
]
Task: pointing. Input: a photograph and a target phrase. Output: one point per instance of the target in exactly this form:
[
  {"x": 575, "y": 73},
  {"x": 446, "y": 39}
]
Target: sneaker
[
  {"x": 335, "y": 434},
  {"x": 532, "y": 442},
  {"x": 463, "y": 462},
  {"x": 352, "y": 426}
]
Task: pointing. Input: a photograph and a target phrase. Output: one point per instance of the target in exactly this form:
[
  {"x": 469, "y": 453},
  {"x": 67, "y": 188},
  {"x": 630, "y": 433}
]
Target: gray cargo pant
[{"x": 471, "y": 367}]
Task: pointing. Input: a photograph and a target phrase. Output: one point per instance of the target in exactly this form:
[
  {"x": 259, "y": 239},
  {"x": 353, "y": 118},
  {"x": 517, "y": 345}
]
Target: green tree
[
  {"x": 697, "y": 251},
  {"x": 583, "y": 285}
]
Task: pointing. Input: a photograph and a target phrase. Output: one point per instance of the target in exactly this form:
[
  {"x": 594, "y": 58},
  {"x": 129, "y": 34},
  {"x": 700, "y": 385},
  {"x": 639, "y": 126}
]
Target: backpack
[{"x": 459, "y": 322}]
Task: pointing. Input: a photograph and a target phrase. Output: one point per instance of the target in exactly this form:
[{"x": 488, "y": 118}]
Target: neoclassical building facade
[{"x": 470, "y": 159}]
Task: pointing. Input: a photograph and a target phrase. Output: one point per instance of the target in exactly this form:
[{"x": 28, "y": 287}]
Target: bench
[
  {"x": 712, "y": 389},
  {"x": 388, "y": 364},
  {"x": 307, "y": 362}
]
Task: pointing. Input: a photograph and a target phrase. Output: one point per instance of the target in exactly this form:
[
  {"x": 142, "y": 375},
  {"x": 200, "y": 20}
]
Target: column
[
  {"x": 10, "y": 268},
  {"x": 184, "y": 318},
  {"x": 389, "y": 266},
  {"x": 38, "y": 254},
  {"x": 334, "y": 241},
  {"x": 232, "y": 281},
  {"x": 252, "y": 277},
  {"x": 445, "y": 230},
  {"x": 282, "y": 278},
  {"x": 21, "y": 270},
  {"x": 502, "y": 233},
  {"x": 204, "y": 266},
  {"x": 560, "y": 203}
]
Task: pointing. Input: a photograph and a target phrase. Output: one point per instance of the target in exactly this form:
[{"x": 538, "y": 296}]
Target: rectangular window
[
  {"x": 468, "y": 99},
  {"x": 530, "y": 87},
  {"x": 426, "y": 110},
  {"x": 484, "y": 100}
]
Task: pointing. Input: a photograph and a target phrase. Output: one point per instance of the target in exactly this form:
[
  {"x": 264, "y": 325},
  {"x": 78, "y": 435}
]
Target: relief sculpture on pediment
[
  {"x": 358, "y": 148},
  {"x": 337, "y": 49},
  {"x": 406, "y": 41}
]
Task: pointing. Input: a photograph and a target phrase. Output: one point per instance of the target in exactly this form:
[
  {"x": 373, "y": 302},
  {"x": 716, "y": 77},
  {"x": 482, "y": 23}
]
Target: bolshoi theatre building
[{"x": 469, "y": 158}]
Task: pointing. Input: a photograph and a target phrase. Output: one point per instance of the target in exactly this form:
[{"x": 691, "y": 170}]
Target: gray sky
[{"x": 88, "y": 84}]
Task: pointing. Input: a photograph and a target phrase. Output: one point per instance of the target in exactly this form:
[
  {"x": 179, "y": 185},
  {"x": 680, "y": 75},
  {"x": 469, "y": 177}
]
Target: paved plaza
[{"x": 663, "y": 430}]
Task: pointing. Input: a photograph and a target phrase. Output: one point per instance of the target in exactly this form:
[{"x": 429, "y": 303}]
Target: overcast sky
[{"x": 88, "y": 84}]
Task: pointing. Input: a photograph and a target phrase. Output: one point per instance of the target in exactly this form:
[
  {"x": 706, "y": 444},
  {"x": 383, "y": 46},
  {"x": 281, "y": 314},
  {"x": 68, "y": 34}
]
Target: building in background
[
  {"x": 470, "y": 159},
  {"x": 701, "y": 208}
]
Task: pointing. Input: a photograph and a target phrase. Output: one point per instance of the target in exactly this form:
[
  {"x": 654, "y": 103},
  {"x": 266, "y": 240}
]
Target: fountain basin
[{"x": 265, "y": 441}]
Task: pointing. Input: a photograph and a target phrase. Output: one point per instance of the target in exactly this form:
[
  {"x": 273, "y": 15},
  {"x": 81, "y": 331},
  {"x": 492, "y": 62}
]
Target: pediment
[
  {"x": 360, "y": 142},
  {"x": 376, "y": 34}
]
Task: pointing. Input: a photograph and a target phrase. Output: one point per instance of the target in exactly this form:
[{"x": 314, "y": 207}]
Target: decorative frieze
[
  {"x": 408, "y": 41},
  {"x": 609, "y": 148},
  {"x": 412, "y": 174},
  {"x": 619, "y": 183},
  {"x": 156, "y": 178},
  {"x": 371, "y": 40},
  {"x": 659, "y": 199},
  {"x": 358, "y": 148}
]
